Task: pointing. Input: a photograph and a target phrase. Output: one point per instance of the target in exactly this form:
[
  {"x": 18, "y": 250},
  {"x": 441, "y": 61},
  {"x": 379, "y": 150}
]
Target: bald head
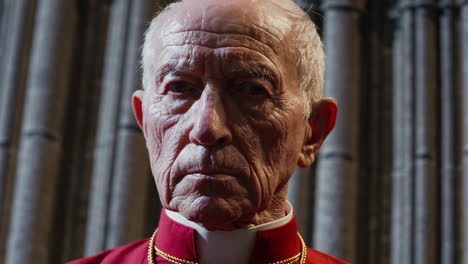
[{"x": 278, "y": 23}]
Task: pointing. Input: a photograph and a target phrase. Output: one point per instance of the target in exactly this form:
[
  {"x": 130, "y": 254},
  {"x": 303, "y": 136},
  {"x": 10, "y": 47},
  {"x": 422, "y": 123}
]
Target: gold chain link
[{"x": 301, "y": 255}]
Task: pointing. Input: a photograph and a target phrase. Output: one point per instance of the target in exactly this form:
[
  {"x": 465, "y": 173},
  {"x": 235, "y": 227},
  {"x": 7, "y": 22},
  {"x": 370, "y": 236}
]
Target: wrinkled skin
[{"x": 224, "y": 122}]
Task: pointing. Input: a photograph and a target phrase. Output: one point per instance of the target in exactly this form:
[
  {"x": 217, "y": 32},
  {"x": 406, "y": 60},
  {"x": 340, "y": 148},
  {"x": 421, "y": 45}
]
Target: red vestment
[{"x": 178, "y": 240}]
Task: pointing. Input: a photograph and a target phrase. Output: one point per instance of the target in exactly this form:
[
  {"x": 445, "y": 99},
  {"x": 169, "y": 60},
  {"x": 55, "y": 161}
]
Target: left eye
[
  {"x": 180, "y": 87},
  {"x": 252, "y": 89}
]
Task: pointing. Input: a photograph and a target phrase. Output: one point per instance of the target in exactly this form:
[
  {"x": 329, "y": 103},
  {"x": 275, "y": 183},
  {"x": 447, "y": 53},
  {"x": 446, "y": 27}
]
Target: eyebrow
[
  {"x": 252, "y": 72},
  {"x": 165, "y": 70},
  {"x": 257, "y": 72},
  {"x": 169, "y": 68}
]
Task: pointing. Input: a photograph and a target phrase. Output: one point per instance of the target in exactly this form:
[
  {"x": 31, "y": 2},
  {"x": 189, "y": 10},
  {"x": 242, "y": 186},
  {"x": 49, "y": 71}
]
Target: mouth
[
  {"x": 211, "y": 173},
  {"x": 209, "y": 164},
  {"x": 199, "y": 179}
]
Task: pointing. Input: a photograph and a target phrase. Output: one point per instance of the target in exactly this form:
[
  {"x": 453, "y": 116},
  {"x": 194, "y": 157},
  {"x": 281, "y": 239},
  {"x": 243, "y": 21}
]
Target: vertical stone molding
[
  {"x": 403, "y": 120},
  {"x": 427, "y": 128},
  {"x": 338, "y": 165},
  {"x": 105, "y": 145},
  {"x": 131, "y": 162},
  {"x": 450, "y": 131},
  {"x": 15, "y": 38},
  {"x": 38, "y": 163},
  {"x": 464, "y": 80}
]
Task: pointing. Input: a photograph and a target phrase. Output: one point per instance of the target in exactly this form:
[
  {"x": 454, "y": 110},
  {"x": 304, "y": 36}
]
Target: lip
[
  {"x": 216, "y": 175},
  {"x": 211, "y": 173}
]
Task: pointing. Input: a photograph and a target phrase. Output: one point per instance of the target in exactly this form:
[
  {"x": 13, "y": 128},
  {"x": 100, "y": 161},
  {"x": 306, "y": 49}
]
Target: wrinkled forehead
[{"x": 256, "y": 23}]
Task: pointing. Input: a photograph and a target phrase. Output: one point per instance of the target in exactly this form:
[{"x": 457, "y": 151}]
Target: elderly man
[{"x": 231, "y": 104}]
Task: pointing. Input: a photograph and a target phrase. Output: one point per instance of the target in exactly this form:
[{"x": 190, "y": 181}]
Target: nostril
[
  {"x": 225, "y": 139},
  {"x": 206, "y": 134}
]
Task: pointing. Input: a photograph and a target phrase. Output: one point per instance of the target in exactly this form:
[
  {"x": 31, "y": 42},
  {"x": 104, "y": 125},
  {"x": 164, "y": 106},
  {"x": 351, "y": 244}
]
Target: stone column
[
  {"x": 103, "y": 167},
  {"x": 32, "y": 220},
  {"x": 129, "y": 185},
  {"x": 17, "y": 23},
  {"x": 450, "y": 131},
  {"x": 403, "y": 138},
  {"x": 375, "y": 178},
  {"x": 426, "y": 158},
  {"x": 464, "y": 73},
  {"x": 338, "y": 166},
  {"x": 81, "y": 124}
]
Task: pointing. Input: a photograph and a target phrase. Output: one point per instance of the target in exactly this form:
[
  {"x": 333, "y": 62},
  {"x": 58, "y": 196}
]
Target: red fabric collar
[
  {"x": 175, "y": 239},
  {"x": 271, "y": 245}
]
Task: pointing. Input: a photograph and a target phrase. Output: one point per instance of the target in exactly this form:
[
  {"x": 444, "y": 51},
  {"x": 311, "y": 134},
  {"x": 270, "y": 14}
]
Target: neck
[{"x": 223, "y": 246}]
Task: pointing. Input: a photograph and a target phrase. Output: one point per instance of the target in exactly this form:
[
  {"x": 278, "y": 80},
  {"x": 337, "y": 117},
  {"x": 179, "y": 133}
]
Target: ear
[
  {"x": 321, "y": 121},
  {"x": 137, "y": 103}
]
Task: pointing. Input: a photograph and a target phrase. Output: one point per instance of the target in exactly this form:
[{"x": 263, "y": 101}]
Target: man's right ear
[{"x": 137, "y": 103}]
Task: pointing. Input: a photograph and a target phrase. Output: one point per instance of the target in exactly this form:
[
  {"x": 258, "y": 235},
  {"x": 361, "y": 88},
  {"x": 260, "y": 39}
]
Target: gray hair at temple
[{"x": 306, "y": 45}]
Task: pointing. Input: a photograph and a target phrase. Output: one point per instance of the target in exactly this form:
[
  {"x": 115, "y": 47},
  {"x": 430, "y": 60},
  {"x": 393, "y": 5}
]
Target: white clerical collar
[{"x": 214, "y": 247}]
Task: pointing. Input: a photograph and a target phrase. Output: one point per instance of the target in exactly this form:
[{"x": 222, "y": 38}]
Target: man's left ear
[{"x": 321, "y": 121}]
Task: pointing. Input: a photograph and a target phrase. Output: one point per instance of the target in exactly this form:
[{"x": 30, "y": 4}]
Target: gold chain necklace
[{"x": 301, "y": 256}]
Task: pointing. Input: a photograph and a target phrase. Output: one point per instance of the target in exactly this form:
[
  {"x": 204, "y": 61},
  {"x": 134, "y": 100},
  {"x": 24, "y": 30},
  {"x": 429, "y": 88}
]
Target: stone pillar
[
  {"x": 116, "y": 213},
  {"x": 338, "y": 166},
  {"x": 103, "y": 167},
  {"x": 82, "y": 112},
  {"x": 17, "y": 23},
  {"x": 426, "y": 158},
  {"x": 464, "y": 73},
  {"x": 415, "y": 225},
  {"x": 375, "y": 178},
  {"x": 403, "y": 122},
  {"x": 32, "y": 219},
  {"x": 450, "y": 131},
  {"x": 129, "y": 185}
]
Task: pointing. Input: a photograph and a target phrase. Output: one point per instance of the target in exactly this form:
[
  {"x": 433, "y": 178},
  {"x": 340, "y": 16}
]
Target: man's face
[{"x": 224, "y": 119}]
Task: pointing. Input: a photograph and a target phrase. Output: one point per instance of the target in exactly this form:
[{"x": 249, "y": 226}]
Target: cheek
[
  {"x": 288, "y": 125},
  {"x": 277, "y": 144},
  {"x": 154, "y": 138},
  {"x": 262, "y": 151},
  {"x": 270, "y": 138},
  {"x": 161, "y": 129},
  {"x": 165, "y": 137}
]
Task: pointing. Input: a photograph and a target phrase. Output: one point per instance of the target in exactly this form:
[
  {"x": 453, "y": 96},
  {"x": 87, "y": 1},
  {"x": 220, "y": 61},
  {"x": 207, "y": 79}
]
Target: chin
[{"x": 216, "y": 213}]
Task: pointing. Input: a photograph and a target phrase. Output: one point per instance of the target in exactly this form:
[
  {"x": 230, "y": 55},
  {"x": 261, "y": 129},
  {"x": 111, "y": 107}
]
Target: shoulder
[
  {"x": 133, "y": 253},
  {"x": 317, "y": 257}
]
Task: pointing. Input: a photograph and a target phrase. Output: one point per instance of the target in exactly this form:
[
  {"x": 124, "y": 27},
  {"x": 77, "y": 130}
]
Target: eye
[
  {"x": 181, "y": 87},
  {"x": 252, "y": 89}
]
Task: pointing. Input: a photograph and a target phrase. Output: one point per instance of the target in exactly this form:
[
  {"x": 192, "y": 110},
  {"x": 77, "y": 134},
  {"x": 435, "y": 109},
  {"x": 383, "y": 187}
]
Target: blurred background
[{"x": 388, "y": 184}]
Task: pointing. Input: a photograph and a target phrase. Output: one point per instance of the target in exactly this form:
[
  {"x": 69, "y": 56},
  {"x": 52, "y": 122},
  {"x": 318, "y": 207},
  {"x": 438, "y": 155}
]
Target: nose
[{"x": 210, "y": 122}]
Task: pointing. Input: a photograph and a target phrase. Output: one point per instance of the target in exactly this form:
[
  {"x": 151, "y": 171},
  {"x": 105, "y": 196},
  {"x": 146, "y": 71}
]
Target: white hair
[
  {"x": 306, "y": 45},
  {"x": 147, "y": 53}
]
